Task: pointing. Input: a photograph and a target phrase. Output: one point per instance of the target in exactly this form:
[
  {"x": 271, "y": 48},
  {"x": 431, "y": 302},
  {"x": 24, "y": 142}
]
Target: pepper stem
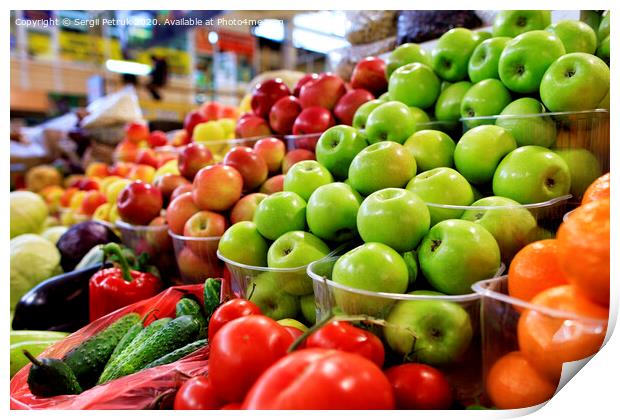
[
  {"x": 114, "y": 249},
  {"x": 33, "y": 359}
]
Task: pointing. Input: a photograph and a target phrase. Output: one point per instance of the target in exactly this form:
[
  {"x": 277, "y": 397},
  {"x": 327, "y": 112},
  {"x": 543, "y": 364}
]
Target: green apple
[
  {"x": 451, "y": 54},
  {"x": 406, "y": 54},
  {"x": 337, "y": 147},
  {"x": 243, "y": 244},
  {"x": 279, "y": 213},
  {"x": 525, "y": 59},
  {"x": 419, "y": 115},
  {"x": 395, "y": 217},
  {"x": 531, "y": 174},
  {"x": 528, "y": 127},
  {"x": 308, "y": 308},
  {"x": 373, "y": 267},
  {"x": 480, "y": 150},
  {"x": 290, "y": 322},
  {"x": 483, "y": 35},
  {"x": 448, "y": 105},
  {"x": 331, "y": 212},
  {"x": 512, "y": 225},
  {"x": 429, "y": 331},
  {"x": 604, "y": 104},
  {"x": 264, "y": 290},
  {"x": 361, "y": 115},
  {"x": 575, "y": 82},
  {"x": 445, "y": 84},
  {"x": 384, "y": 97},
  {"x": 414, "y": 84},
  {"x": 603, "y": 28},
  {"x": 603, "y": 50},
  {"x": 442, "y": 186},
  {"x": 584, "y": 168},
  {"x": 306, "y": 176},
  {"x": 575, "y": 35},
  {"x": 381, "y": 165},
  {"x": 431, "y": 149},
  {"x": 485, "y": 59},
  {"x": 392, "y": 121},
  {"x": 515, "y": 22},
  {"x": 295, "y": 250},
  {"x": 485, "y": 98},
  {"x": 457, "y": 253},
  {"x": 411, "y": 259}
]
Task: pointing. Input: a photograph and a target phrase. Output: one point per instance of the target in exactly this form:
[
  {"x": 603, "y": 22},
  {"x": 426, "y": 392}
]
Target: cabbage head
[{"x": 28, "y": 212}]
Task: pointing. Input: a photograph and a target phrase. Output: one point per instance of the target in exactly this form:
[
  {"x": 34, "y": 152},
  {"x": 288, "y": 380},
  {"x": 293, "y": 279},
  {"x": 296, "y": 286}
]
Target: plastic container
[
  {"x": 154, "y": 240},
  {"x": 564, "y": 130},
  {"x": 460, "y": 316},
  {"x": 196, "y": 257},
  {"x": 513, "y": 226},
  {"x": 502, "y": 318}
]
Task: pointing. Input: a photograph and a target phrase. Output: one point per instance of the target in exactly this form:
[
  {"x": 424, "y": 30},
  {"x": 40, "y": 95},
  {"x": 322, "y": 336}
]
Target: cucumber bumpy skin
[
  {"x": 187, "y": 306},
  {"x": 88, "y": 360},
  {"x": 177, "y": 333},
  {"x": 125, "y": 341},
  {"x": 177, "y": 354}
]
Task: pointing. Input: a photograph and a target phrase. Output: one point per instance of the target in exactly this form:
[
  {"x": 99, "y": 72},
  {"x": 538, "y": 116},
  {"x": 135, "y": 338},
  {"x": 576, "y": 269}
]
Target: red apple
[
  {"x": 250, "y": 165},
  {"x": 86, "y": 184},
  {"x": 179, "y": 211},
  {"x": 324, "y": 91},
  {"x": 272, "y": 151},
  {"x": 229, "y": 111},
  {"x": 193, "y": 158},
  {"x": 164, "y": 156},
  {"x": 192, "y": 119},
  {"x": 158, "y": 239},
  {"x": 139, "y": 172},
  {"x": 125, "y": 151},
  {"x": 204, "y": 224},
  {"x": 157, "y": 138},
  {"x": 251, "y": 126},
  {"x": 265, "y": 94},
  {"x": 121, "y": 169},
  {"x": 195, "y": 268},
  {"x": 272, "y": 185},
  {"x": 147, "y": 157},
  {"x": 180, "y": 138},
  {"x": 92, "y": 200},
  {"x": 217, "y": 187},
  {"x": 313, "y": 120},
  {"x": 244, "y": 209},
  {"x": 303, "y": 81},
  {"x": 369, "y": 74},
  {"x": 167, "y": 183},
  {"x": 295, "y": 156},
  {"x": 283, "y": 114},
  {"x": 139, "y": 203},
  {"x": 348, "y": 104},
  {"x": 97, "y": 169},
  {"x": 210, "y": 111},
  {"x": 181, "y": 189},
  {"x": 135, "y": 132}
]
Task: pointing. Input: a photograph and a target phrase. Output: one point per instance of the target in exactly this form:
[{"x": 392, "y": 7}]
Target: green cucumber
[
  {"x": 125, "y": 341},
  {"x": 139, "y": 339},
  {"x": 88, "y": 360},
  {"x": 49, "y": 377},
  {"x": 177, "y": 333},
  {"x": 211, "y": 296},
  {"x": 179, "y": 353},
  {"x": 187, "y": 306}
]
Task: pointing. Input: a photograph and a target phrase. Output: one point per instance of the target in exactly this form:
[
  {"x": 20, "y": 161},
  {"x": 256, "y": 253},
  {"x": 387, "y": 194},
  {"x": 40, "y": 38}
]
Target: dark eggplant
[
  {"x": 79, "y": 239},
  {"x": 57, "y": 304}
]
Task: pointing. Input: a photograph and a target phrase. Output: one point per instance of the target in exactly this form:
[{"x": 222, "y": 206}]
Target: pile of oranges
[{"x": 570, "y": 275}]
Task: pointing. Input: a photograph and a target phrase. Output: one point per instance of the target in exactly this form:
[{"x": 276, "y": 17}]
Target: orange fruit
[
  {"x": 549, "y": 341},
  {"x": 599, "y": 189},
  {"x": 534, "y": 269},
  {"x": 513, "y": 382},
  {"x": 583, "y": 242}
]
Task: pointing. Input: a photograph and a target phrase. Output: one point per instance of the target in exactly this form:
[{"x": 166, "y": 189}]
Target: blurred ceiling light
[
  {"x": 128, "y": 67},
  {"x": 213, "y": 37}
]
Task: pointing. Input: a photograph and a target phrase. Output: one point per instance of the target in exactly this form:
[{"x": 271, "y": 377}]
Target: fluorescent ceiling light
[
  {"x": 272, "y": 29},
  {"x": 328, "y": 22},
  {"x": 128, "y": 67},
  {"x": 312, "y": 41}
]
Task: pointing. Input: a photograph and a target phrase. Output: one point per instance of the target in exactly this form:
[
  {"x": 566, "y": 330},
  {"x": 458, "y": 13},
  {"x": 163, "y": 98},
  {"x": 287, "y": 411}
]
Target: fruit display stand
[{"x": 196, "y": 257}]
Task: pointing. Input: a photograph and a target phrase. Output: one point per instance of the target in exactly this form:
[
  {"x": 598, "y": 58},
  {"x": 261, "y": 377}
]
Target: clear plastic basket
[
  {"x": 196, "y": 257},
  {"x": 565, "y": 333},
  {"x": 464, "y": 370},
  {"x": 513, "y": 226}
]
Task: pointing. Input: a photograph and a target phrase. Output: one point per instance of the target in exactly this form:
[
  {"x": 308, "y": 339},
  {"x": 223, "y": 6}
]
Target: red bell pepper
[{"x": 114, "y": 288}]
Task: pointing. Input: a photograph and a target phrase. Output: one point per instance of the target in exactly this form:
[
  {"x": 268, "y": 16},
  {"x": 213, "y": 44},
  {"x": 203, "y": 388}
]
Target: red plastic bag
[{"x": 136, "y": 391}]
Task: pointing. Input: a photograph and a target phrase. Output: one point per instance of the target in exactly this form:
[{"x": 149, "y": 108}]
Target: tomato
[
  {"x": 197, "y": 394},
  {"x": 233, "y": 309},
  {"x": 231, "y": 406},
  {"x": 242, "y": 350},
  {"x": 321, "y": 379},
  {"x": 419, "y": 387},
  {"x": 343, "y": 336}
]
